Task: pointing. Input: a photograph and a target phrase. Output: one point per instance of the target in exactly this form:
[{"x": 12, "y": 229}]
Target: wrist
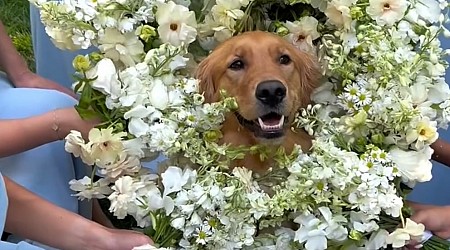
[
  {"x": 20, "y": 78},
  {"x": 94, "y": 236}
]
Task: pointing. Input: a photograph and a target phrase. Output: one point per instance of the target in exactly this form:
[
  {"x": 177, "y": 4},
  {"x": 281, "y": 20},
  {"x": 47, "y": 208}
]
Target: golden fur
[{"x": 263, "y": 56}]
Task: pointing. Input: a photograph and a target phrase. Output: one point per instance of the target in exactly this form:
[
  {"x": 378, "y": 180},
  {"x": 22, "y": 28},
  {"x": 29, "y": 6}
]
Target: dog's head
[{"x": 270, "y": 78}]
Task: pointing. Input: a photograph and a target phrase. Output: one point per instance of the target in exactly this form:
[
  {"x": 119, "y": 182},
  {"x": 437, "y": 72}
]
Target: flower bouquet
[{"x": 373, "y": 118}]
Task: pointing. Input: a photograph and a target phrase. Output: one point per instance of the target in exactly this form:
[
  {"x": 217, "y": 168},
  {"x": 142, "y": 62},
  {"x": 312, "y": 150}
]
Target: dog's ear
[
  {"x": 309, "y": 69},
  {"x": 204, "y": 74}
]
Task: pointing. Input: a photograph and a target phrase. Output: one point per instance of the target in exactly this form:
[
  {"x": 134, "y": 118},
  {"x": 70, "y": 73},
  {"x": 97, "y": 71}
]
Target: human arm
[
  {"x": 19, "y": 135},
  {"x": 441, "y": 152},
  {"x": 34, "y": 218},
  {"x": 13, "y": 64}
]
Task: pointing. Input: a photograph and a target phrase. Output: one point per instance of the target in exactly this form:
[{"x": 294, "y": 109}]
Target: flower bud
[
  {"x": 146, "y": 32},
  {"x": 282, "y": 31},
  {"x": 81, "y": 63}
]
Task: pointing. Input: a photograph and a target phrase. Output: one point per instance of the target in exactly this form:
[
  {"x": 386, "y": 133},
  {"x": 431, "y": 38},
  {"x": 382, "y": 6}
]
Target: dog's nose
[{"x": 271, "y": 92}]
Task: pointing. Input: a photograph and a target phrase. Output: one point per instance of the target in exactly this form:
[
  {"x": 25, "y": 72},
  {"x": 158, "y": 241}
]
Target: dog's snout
[{"x": 270, "y": 92}]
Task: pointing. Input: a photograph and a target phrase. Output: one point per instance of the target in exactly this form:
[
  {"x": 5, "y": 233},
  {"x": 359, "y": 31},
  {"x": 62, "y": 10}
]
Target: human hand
[
  {"x": 68, "y": 119},
  {"x": 120, "y": 239},
  {"x": 435, "y": 218},
  {"x": 32, "y": 80}
]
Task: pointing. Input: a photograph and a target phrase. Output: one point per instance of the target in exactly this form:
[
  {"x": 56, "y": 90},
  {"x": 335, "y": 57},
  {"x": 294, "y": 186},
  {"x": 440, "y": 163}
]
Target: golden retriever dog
[{"x": 271, "y": 80}]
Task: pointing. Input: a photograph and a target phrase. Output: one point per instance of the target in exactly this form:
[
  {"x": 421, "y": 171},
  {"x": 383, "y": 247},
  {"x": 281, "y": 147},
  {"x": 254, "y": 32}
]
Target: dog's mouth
[{"x": 268, "y": 126}]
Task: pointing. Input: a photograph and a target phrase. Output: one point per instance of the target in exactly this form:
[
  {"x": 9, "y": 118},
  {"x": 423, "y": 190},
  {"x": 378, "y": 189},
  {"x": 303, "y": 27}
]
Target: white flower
[
  {"x": 401, "y": 236},
  {"x": 303, "y": 33},
  {"x": 174, "y": 178},
  {"x": 158, "y": 94},
  {"x": 125, "y": 48},
  {"x": 413, "y": 165},
  {"x": 244, "y": 175},
  {"x": 422, "y": 131},
  {"x": 226, "y": 12},
  {"x": 105, "y": 145},
  {"x": 75, "y": 144},
  {"x": 87, "y": 189},
  {"x": 125, "y": 164},
  {"x": 312, "y": 231},
  {"x": 62, "y": 38},
  {"x": 105, "y": 78},
  {"x": 177, "y": 24},
  {"x": 377, "y": 240},
  {"x": 123, "y": 197},
  {"x": 387, "y": 12},
  {"x": 338, "y": 12},
  {"x": 429, "y": 10}
]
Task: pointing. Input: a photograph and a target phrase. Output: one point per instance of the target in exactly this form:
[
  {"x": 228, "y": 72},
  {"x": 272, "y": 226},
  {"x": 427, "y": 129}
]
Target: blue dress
[
  {"x": 3, "y": 209},
  {"x": 45, "y": 170}
]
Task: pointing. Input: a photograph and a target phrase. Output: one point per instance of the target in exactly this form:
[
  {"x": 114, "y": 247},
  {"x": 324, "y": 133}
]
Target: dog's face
[{"x": 270, "y": 78}]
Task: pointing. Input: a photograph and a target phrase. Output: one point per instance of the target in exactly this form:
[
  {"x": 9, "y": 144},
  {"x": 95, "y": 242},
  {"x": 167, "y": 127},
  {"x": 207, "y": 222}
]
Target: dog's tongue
[{"x": 271, "y": 123}]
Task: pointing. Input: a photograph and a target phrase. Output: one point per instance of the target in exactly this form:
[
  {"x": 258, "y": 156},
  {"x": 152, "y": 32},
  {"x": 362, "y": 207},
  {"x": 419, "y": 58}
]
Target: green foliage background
[{"x": 15, "y": 15}]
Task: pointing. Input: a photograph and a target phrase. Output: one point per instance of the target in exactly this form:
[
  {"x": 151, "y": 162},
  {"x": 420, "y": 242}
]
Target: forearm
[
  {"x": 34, "y": 218},
  {"x": 19, "y": 135},
  {"x": 441, "y": 152},
  {"x": 11, "y": 61}
]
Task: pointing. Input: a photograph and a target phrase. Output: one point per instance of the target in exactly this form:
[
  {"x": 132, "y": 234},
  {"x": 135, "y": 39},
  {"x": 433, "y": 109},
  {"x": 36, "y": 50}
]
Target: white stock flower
[
  {"x": 105, "y": 145},
  {"x": 413, "y": 165},
  {"x": 124, "y": 197},
  {"x": 62, "y": 38},
  {"x": 137, "y": 126},
  {"x": 177, "y": 25},
  {"x": 387, "y": 12},
  {"x": 125, "y": 48},
  {"x": 87, "y": 189},
  {"x": 174, "y": 178},
  {"x": 429, "y": 10},
  {"x": 312, "y": 231},
  {"x": 105, "y": 78}
]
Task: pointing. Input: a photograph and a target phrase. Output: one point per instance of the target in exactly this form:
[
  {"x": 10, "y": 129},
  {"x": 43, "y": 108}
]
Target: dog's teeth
[
  {"x": 280, "y": 124},
  {"x": 271, "y": 127}
]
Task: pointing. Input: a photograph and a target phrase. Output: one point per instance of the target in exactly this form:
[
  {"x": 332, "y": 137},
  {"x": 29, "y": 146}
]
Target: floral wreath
[{"x": 373, "y": 119}]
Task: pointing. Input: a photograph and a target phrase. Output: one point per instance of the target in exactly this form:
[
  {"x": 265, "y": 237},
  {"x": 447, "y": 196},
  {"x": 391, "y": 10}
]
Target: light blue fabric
[
  {"x": 3, "y": 210},
  {"x": 436, "y": 191},
  {"x": 51, "y": 62},
  {"x": 47, "y": 169}
]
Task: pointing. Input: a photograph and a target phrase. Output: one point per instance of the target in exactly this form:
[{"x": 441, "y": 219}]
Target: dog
[{"x": 271, "y": 80}]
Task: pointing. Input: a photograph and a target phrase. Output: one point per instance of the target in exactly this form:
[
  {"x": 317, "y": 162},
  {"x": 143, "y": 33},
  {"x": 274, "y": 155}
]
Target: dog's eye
[
  {"x": 285, "y": 59},
  {"x": 236, "y": 65}
]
